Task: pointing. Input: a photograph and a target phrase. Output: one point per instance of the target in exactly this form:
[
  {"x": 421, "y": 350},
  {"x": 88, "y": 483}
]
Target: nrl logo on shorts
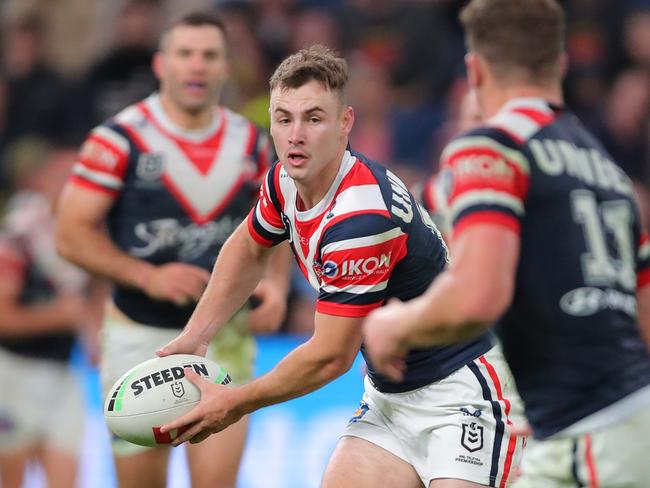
[
  {"x": 150, "y": 166},
  {"x": 472, "y": 438},
  {"x": 178, "y": 389}
]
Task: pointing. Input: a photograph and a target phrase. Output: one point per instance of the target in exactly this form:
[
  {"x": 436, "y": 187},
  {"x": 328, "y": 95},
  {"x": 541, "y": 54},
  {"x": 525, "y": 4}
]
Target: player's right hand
[
  {"x": 185, "y": 343},
  {"x": 176, "y": 282}
]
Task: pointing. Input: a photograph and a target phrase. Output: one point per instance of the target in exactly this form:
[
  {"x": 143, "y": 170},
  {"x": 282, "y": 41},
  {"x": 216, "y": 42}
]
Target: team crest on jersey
[
  {"x": 472, "y": 437},
  {"x": 150, "y": 166}
]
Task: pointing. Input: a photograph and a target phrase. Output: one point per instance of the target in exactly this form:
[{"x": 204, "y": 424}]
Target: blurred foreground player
[
  {"x": 172, "y": 177},
  {"x": 359, "y": 238},
  {"x": 547, "y": 243},
  {"x": 43, "y": 307}
]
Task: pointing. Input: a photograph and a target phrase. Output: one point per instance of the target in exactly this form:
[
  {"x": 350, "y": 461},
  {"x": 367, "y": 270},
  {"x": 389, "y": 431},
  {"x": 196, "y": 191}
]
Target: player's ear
[
  {"x": 348, "y": 120},
  {"x": 157, "y": 64},
  {"x": 474, "y": 70}
]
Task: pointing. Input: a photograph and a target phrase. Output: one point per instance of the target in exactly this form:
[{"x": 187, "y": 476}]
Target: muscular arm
[
  {"x": 328, "y": 354},
  {"x": 239, "y": 267},
  {"x": 474, "y": 291},
  {"x": 20, "y": 320},
  {"x": 82, "y": 239},
  {"x": 460, "y": 304}
]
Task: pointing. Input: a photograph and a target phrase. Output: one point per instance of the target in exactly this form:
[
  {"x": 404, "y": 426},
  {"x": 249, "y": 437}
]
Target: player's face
[
  {"x": 192, "y": 67},
  {"x": 310, "y": 127}
]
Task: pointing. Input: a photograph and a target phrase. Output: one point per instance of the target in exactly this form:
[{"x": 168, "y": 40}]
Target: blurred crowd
[{"x": 68, "y": 65}]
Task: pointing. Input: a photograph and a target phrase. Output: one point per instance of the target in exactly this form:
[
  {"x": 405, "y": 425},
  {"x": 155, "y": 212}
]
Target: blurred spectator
[
  {"x": 625, "y": 130},
  {"x": 636, "y": 36},
  {"x": 42, "y": 306},
  {"x": 35, "y": 93},
  {"x": 247, "y": 90},
  {"x": 123, "y": 75},
  {"x": 370, "y": 94}
]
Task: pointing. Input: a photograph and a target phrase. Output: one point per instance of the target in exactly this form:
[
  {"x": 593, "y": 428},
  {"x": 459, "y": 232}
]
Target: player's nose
[{"x": 296, "y": 134}]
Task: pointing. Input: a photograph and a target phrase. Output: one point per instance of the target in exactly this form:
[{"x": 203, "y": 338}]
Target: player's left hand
[
  {"x": 267, "y": 317},
  {"x": 216, "y": 411},
  {"x": 383, "y": 342}
]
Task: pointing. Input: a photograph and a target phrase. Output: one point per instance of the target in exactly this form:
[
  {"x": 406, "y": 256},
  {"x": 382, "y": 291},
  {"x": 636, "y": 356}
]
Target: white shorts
[
  {"x": 41, "y": 403},
  {"x": 615, "y": 456},
  {"x": 126, "y": 344},
  {"x": 458, "y": 427}
]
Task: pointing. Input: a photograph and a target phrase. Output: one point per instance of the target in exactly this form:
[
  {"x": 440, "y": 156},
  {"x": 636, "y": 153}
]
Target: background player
[
  {"x": 44, "y": 304},
  {"x": 547, "y": 242},
  {"x": 172, "y": 177},
  {"x": 359, "y": 238}
]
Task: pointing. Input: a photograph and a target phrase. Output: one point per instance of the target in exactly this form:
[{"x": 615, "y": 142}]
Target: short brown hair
[
  {"x": 516, "y": 35},
  {"x": 316, "y": 63},
  {"x": 198, "y": 18}
]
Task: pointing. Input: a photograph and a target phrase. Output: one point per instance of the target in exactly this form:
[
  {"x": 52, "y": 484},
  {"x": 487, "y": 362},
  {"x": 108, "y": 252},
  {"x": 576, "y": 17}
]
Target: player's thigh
[
  {"x": 60, "y": 467},
  {"x": 145, "y": 468},
  {"x": 12, "y": 467},
  {"x": 358, "y": 463},
  {"x": 214, "y": 463}
]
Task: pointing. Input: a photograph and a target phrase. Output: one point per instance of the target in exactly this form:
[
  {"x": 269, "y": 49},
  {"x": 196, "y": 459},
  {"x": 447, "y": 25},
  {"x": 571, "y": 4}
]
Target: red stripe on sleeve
[
  {"x": 487, "y": 217},
  {"x": 251, "y": 230},
  {"x": 80, "y": 181},
  {"x": 343, "y": 310}
]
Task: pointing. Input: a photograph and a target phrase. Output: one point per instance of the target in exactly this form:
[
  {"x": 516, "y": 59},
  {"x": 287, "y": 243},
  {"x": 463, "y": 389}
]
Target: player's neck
[
  {"x": 184, "y": 119},
  {"x": 313, "y": 191},
  {"x": 497, "y": 96}
]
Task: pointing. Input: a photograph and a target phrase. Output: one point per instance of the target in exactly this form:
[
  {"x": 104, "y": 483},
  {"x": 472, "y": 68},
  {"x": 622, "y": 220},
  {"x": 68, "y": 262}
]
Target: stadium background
[{"x": 65, "y": 65}]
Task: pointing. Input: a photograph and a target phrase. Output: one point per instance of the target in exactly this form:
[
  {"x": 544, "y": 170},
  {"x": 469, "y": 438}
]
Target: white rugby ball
[{"x": 155, "y": 392}]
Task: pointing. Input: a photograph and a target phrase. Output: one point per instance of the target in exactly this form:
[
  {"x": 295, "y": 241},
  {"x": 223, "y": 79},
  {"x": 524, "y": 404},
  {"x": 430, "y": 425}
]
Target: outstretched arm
[
  {"x": 460, "y": 304},
  {"x": 82, "y": 239},
  {"x": 239, "y": 267},
  {"x": 329, "y": 353}
]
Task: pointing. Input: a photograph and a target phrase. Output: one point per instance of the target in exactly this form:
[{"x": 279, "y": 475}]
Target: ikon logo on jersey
[{"x": 356, "y": 267}]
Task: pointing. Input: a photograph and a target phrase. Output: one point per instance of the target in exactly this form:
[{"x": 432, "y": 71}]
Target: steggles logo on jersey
[
  {"x": 192, "y": 240},
  {"x": 150, "y": 166}
]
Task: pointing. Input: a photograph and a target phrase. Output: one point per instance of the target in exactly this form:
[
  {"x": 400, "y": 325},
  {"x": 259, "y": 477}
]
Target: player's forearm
[
  {"x": 18, "y": 321},
  {"x": 237, "y": 271},
  {"x": 450, "y": 311},
  {"x": 91, "y": 249},
  {"x": 278, "y": 270},
  {"x": 300, "y": 372}
]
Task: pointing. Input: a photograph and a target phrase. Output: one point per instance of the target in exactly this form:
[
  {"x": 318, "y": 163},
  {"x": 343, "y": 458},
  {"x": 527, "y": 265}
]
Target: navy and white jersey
[
  {"x": 178, "y": 194},
  {"x": 570, "y": 336},
  {"x": 366, "y": 241},
  {"x": 32, "y": 272}
]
